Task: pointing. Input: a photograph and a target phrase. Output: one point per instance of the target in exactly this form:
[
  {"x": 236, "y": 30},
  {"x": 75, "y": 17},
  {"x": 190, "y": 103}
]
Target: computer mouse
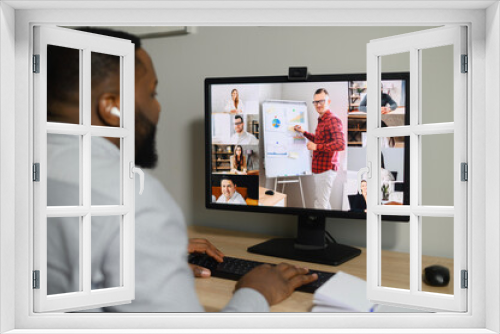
[
  {"x": 269, "y": 192},
  {"x": 436, "y": 275}
]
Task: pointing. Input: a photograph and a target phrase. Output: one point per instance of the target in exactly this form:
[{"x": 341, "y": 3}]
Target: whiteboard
[{"x": 285, "y": 150}]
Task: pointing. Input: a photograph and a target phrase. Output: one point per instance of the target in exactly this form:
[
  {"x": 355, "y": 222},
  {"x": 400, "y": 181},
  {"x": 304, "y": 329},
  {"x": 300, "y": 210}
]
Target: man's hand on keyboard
[
  {"x": 276, "y": 283},
  {"x": 203, "y": 246}
]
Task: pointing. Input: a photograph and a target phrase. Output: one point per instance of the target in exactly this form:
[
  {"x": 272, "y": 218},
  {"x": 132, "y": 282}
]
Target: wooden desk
[
  {"x": 278, "y": 199},
  {"x": 214, "y": 293}
]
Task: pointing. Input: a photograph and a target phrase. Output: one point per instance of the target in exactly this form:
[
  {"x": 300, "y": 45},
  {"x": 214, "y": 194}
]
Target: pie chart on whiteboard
[{"x": 276, "y": 123}]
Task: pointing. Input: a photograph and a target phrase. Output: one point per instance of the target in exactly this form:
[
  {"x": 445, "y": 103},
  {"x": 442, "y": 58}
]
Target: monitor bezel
[{"x": 209, "y": 82}]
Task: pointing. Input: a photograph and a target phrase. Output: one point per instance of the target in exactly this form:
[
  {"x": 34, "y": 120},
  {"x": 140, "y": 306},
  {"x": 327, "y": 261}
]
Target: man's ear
[{"x": 106, "y": 104}]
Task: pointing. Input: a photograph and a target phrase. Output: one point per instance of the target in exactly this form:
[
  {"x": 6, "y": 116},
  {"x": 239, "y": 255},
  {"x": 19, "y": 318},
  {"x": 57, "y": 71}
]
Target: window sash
[
  {"x": 412, "y": 43},
  {"x": 87, "y": 43}
]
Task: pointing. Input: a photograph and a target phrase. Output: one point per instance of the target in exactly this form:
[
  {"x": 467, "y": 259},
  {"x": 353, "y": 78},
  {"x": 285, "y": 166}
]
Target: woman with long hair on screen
[
  {"x": 238, "y": 161},
  {"x": 235, "y": 105}
]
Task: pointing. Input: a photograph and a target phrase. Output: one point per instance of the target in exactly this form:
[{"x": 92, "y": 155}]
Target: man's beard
[{"x": 145, "y": 142}]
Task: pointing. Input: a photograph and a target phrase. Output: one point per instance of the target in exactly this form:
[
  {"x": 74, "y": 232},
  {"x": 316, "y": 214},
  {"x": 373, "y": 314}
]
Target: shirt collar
[{"x": 328, "y": 112}]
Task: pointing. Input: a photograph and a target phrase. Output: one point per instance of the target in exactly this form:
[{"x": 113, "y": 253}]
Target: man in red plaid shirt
[{"x": 325, "y": 143}]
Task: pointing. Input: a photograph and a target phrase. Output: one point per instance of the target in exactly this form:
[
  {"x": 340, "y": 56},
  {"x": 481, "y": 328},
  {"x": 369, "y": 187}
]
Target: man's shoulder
[
  {"x": 252, "y": 138},
  {"x": 330, "y": 116},
  {"x": 234, "y": 139},
  {"x": 238, "y": 198},
  {"x": 155, "y": 198}
]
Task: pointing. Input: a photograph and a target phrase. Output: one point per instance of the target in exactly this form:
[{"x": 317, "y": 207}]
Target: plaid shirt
[{"x": 330, "y": 139}]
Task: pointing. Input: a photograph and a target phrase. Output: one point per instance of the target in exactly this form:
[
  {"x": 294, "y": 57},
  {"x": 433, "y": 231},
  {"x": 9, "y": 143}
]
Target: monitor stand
[{"x": 310, "y": 245}]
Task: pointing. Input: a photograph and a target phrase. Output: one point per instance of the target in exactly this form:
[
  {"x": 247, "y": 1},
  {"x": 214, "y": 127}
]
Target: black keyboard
[{"x": 233, "y": 268}]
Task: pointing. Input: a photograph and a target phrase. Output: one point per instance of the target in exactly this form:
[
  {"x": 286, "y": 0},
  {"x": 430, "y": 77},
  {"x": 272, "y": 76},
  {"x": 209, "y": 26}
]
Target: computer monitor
[{"x": 259, "y": 160}]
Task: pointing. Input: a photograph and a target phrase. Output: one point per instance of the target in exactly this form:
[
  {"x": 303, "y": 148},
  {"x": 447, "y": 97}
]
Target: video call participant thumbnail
[
  {"x": 235, "y": 189},
  {"x": 235, "y": 104},
  {"x": 238, "y": 161},
  {"x": 229, "y": 193},
  {"x": 240, "y": 136}
]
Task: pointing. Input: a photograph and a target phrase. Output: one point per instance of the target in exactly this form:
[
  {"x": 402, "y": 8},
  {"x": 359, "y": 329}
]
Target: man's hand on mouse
[
  {"x": 203, "y": 246},
  {"x": 276, "y": 283}
]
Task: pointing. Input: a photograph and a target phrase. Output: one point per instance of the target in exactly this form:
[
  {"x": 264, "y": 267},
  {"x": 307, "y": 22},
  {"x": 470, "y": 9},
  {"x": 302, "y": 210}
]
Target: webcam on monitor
[{"x": 297, "y": 74}]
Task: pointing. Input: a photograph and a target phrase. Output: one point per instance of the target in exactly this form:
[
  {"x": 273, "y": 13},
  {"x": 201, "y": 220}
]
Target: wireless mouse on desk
[
  {"x": 436, "y": 275},
  {"x": 269, "y": 192}
]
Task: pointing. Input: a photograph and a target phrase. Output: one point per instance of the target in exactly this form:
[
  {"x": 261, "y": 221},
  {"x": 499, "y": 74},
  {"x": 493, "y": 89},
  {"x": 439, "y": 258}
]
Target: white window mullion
[
  {"x": 415, "y": 170},
  {"x": 373, "y": 229},
  {"x": 80, "y": 130},
  {"x": 414, "y": 253},
  {"x": 103, "y": 131},
  {"x": 406, "y": 210},
  {"x": 86, "y": 181},
  {"x": 424, "y": 129},
  {"x": 434, "y": 129},
  {"x": 86, "y": 253},
  {"x": 66, "y": 129},
  {"x": 127, "y": 162},
  {"x": 123, "y": 266},
  {"x": 81, "y": 220},
  {"x": 80, "y": 211},
  {"x": 379, "y": 253},
  {"x": 393, "y": 131},
  {"x": 67, "y": 211}
]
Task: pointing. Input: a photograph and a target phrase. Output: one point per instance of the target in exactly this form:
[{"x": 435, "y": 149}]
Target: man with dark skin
[{"x": 274, "y": 283}]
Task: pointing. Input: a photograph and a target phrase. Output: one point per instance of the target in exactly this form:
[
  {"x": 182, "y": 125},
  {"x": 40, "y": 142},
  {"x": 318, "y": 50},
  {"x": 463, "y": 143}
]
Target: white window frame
[
  {"x": 414, "y": 44},
  {"x": 16, "y": 224},
  {"x": 86, "y": 43}
]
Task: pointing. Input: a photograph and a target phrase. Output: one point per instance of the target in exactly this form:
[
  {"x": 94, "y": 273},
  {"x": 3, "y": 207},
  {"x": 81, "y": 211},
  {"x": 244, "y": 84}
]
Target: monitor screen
[{"x": 275, "y": 145}]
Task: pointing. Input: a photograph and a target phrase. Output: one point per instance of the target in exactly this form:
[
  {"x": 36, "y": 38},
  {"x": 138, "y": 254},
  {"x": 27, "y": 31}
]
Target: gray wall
[{"x": 182, "y": 63}]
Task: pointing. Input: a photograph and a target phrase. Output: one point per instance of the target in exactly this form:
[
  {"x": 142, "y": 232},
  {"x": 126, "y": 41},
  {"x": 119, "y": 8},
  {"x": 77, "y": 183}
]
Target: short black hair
[
  {"x": 321, "y": 90},
  {"x": 238, "y": 117},
  {"x": 227, "y": 178},
  {"x": 63, "y": 66}
]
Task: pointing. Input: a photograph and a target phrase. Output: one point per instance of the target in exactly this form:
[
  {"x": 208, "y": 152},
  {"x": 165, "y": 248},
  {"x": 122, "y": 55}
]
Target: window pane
[
  {"x": 106, "y": 252},
  {"x": 106, "y": 172},
  {"x": 393, "y": 92},
  {"x": 437, "y": 254},
  {"x": 437, "y": 170},
  {"x": 63, "y": 170},
  {"x": 357, "y": 93},
  {"x": 106, "y": 74},
  {"x": 63, "y": 255},
  {"x": 63, "y": 84},
  {"x": 396, "y": 263},
  {"x": 394, "y": 183},
  {"x": 437, "y": 85}
]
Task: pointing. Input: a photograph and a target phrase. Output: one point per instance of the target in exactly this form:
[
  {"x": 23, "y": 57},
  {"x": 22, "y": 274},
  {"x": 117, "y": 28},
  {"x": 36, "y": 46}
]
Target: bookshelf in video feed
[{"x": 296, "y": 148}]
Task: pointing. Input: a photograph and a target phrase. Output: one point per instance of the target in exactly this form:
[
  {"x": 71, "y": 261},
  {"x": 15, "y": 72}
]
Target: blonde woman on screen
[{"x": 235, "y": 105}]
